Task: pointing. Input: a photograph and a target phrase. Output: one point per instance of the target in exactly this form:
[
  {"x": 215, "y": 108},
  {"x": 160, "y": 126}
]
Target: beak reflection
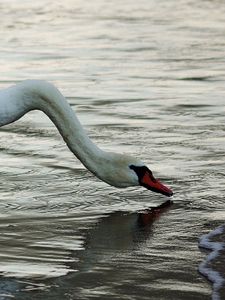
[{"x": 149, "y": 216}]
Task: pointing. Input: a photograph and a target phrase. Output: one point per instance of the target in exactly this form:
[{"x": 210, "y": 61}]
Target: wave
[{"x": 213, "y": 266}]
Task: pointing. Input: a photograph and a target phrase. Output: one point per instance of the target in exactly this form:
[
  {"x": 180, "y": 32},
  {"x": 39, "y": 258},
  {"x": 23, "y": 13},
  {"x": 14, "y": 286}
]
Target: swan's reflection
[
  {"x": 118, "y": 234},
  {"x": 148, "y": 216},
  {"x": 109, "y": 253}
]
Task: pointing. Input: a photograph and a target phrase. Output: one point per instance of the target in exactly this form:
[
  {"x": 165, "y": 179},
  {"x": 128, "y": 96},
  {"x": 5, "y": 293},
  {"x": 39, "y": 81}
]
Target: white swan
[{"x": 118, "y": 170}]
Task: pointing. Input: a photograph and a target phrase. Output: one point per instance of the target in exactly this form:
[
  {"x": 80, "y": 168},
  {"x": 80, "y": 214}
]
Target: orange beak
[{"x": 149, "y": 182}]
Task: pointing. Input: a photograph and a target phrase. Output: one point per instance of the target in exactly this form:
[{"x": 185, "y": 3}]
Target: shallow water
[{"x": 146, "y": 78}]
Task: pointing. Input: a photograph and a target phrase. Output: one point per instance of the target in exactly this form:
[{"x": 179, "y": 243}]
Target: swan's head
[
  {"x": 147, "y": 180},
  {"x": 124, "y": 171}
]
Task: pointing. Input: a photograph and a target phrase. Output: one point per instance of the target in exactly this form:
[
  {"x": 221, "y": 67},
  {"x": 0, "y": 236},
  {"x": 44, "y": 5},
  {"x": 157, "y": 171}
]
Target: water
[{"x": 146, "y": 78}]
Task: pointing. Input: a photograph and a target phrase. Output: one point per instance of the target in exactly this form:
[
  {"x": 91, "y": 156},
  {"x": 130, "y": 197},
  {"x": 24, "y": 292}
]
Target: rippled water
[{"x": 146, "y": 78}]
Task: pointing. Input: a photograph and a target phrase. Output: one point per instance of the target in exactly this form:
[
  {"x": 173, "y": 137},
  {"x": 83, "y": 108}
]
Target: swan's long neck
[{"x": 40, "y": 95}]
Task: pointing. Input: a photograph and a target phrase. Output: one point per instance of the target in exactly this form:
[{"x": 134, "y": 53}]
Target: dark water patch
[
  {"x": 192, "y": 105},
  {"x": 26, "y": 129},
  {"x": 139, "y": 49},
  {"x": 26, "y": 154},
  {"x": 199, "y": 78}
]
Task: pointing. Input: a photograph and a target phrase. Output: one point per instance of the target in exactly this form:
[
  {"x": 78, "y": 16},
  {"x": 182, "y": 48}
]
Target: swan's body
[{"x": 116, "y": 169}]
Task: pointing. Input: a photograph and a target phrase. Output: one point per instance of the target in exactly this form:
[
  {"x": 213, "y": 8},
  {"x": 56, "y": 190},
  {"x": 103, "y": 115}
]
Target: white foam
[{"x": 214, "y": 276}]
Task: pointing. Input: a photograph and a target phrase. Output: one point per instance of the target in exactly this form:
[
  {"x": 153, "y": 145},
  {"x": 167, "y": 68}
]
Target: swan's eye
[{"x": 141, "y": 171}]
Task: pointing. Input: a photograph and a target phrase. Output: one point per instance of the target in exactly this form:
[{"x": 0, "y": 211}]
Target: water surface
[{"x": 146, "y": 78}]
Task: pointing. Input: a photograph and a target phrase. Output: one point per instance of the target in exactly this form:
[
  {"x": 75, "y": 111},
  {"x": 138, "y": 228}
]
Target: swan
[{"x": 118, "y": 170}]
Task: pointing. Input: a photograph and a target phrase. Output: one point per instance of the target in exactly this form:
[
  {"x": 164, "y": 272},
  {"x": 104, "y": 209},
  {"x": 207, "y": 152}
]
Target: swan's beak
[{"x": 149, "y": 182}]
